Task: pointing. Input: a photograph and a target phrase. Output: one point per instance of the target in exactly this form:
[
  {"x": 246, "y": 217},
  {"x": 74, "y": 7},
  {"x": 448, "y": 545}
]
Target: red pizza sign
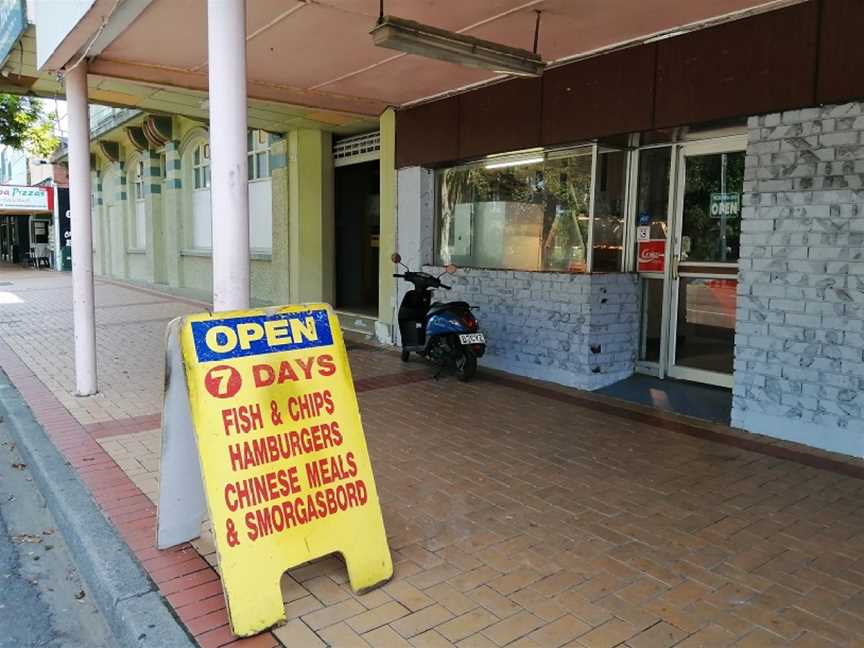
[
  {"x": 18, "y": 198},
  {"x": 651, "y": 256}
]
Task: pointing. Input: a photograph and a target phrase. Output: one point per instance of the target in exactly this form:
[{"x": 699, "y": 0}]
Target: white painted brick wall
[
  {"x": 799, "y": 356},
  {"x": 577, "y": 330}
]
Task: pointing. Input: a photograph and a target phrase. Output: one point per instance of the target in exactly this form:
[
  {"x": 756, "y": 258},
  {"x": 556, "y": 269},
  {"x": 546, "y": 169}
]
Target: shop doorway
[
  {"x": 687, "y": 256},
  {"x": 26, "y": 240},
  {"x": 357, "y": 226}
]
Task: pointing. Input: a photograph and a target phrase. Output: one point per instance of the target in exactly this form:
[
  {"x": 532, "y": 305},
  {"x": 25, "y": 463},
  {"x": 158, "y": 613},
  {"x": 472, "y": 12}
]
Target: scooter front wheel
[
  {"x": 466, "y": 366},
  {"x": 406, "y": 354}
]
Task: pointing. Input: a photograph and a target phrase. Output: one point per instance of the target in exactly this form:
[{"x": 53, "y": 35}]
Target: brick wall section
[
  {"x": 799, "y": 365},
  {"x": 578, "y": 330}
]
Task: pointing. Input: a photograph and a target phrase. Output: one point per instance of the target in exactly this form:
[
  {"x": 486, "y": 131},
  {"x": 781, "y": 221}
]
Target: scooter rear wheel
[
  {"x": 405, "y": 355},
  {"x": 466, "y": 366}
]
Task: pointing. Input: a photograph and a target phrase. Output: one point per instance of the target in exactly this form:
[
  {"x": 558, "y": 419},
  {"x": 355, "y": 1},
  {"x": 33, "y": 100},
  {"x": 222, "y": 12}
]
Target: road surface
[{"x": 42, "y": 599}]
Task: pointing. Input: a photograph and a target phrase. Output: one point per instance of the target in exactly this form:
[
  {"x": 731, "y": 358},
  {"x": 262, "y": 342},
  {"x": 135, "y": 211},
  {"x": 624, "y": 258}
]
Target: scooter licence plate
[{"x": 472, "y": 338}]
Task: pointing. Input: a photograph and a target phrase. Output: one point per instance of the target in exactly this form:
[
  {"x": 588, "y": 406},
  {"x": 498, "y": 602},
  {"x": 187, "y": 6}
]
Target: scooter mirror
[
  {"x": 450, "y": 268},
  {"x": 396, "y": 258}
]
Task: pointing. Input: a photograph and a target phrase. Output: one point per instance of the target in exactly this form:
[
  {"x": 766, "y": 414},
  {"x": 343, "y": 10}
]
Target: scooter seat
[{"x": 439, "y": 307}]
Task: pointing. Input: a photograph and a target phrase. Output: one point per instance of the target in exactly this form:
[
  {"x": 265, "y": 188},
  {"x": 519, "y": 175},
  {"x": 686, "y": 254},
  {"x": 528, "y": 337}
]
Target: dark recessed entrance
[{"x": 357, "y": 229}]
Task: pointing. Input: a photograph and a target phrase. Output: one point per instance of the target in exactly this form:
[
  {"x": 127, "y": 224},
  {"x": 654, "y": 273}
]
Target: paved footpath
[{"x": 518, "y": 513}]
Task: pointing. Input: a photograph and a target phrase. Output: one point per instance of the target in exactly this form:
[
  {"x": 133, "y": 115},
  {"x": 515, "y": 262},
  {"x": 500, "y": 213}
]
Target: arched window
[
  {"x": 258, "y": 154},
  {"x": 138, "y": 220},
  {"x": 196, "y": 160},
  {"x": 201, "y": 166},
  {"x": 260, "y": 192}
]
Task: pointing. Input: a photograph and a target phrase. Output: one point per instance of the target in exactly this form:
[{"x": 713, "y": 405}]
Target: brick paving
[{"x": 519, "y": 514}]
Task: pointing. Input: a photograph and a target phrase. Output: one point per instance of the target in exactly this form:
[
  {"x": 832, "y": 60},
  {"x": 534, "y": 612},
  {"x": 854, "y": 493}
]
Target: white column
[
  {"x": 226, "y": 22},
  {"x": 83, "y": 305}
]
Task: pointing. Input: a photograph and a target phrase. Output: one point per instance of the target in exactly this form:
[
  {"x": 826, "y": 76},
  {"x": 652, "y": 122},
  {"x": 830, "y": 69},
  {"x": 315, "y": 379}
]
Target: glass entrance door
[
  {"x": 703, "y": 272},
  {"x": 688, "y": 210}
]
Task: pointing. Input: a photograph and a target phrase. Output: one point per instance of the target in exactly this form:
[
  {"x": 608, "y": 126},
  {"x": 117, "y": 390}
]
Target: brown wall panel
[
  {"x": 604, "y": 95},
  {"x": 498, "y": 118},
  {"x": 428, "y": 134},
  {"x": 750, "y": 66},
  {"x": 841, "y": 52}
]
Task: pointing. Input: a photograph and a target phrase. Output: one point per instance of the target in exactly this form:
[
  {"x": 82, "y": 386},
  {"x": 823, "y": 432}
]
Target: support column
[
  {"x": 226, "y": 43},
  {"x": 280, "y": 269},
  {"x": 172, "y": 213},
  {"x": 387, "y": 232},
  {"x": 100, "y": 241},
  {"x": 156, "y": 253},
  {"x": 83, "y": 298},
  {"x": 311, "y": 220}
]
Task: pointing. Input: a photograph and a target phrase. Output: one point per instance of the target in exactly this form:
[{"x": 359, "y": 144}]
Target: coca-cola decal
[{"x": 651, "y": 256}]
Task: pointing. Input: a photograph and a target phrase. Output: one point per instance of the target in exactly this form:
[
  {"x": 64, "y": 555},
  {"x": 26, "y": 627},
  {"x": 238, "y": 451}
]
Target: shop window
[
  {"x": 258, "y": 147},
  {"x": 609, "y": 200},
  {"x": 533, "y": 211},
  {"x": 201, "y": 166}
]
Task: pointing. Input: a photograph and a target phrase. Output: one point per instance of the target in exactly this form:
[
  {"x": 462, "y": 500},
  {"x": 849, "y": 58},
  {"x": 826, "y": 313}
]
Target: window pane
[
  {"x": 196, "y": 156},
  {"x": 652, "y": 319},
  {"x": 609, "y": 198},
  {"x": 652, "y": 208},
  {"x": 525, "y": 216},
  {"x": 197, "y": 178},
  {"x": 706, "y": 233},
  {"x": 207, "y": 176},
  {"x": 565, "y": 232},
  {"x": 263, "y": 160},
  {"x": 250, "y": 141},
  {"x": 250, "y": 167}
]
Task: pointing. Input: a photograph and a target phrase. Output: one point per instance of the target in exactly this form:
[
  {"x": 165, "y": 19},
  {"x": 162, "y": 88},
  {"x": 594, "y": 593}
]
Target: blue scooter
[{"x": 445, "y": 333}]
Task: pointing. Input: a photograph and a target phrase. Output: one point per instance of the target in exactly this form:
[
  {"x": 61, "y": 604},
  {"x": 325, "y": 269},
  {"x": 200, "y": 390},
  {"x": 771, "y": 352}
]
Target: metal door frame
[{"x": 731, "y": 144}]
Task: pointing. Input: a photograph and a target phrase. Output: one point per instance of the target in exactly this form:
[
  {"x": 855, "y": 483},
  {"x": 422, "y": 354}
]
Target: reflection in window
[
  {"x": 652, "y": 201},
  {"x": 704, "y": 236},
  {"x": 609, "y": 197},
  {"x": 201, "y": 166},
  {"x": 532, "y": 212},
  {"x": 258, "y": 154}
]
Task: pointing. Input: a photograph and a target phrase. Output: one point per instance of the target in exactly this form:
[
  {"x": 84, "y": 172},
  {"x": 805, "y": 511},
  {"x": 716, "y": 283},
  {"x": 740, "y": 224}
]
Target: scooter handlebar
[
  {"x": 399, "y": 276},
  {"x": 443, "y": 286}
]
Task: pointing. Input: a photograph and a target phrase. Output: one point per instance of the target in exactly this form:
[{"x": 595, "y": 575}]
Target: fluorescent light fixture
[
  {"x": 415, "y": 38},
  {"x": 511, "y": 163}
]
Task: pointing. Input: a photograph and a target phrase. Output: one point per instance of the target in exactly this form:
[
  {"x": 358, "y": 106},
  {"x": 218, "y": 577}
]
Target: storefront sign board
[
  {"x": 725, "y": 204},
  {"x": 26, "y": 199},
  {"x": 651, "y": 256},
  {"x": 286, "y": 472}
]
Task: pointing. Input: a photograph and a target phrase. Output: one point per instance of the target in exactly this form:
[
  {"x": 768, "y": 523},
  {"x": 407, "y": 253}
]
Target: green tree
[{"x": 24, "y": 124}]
